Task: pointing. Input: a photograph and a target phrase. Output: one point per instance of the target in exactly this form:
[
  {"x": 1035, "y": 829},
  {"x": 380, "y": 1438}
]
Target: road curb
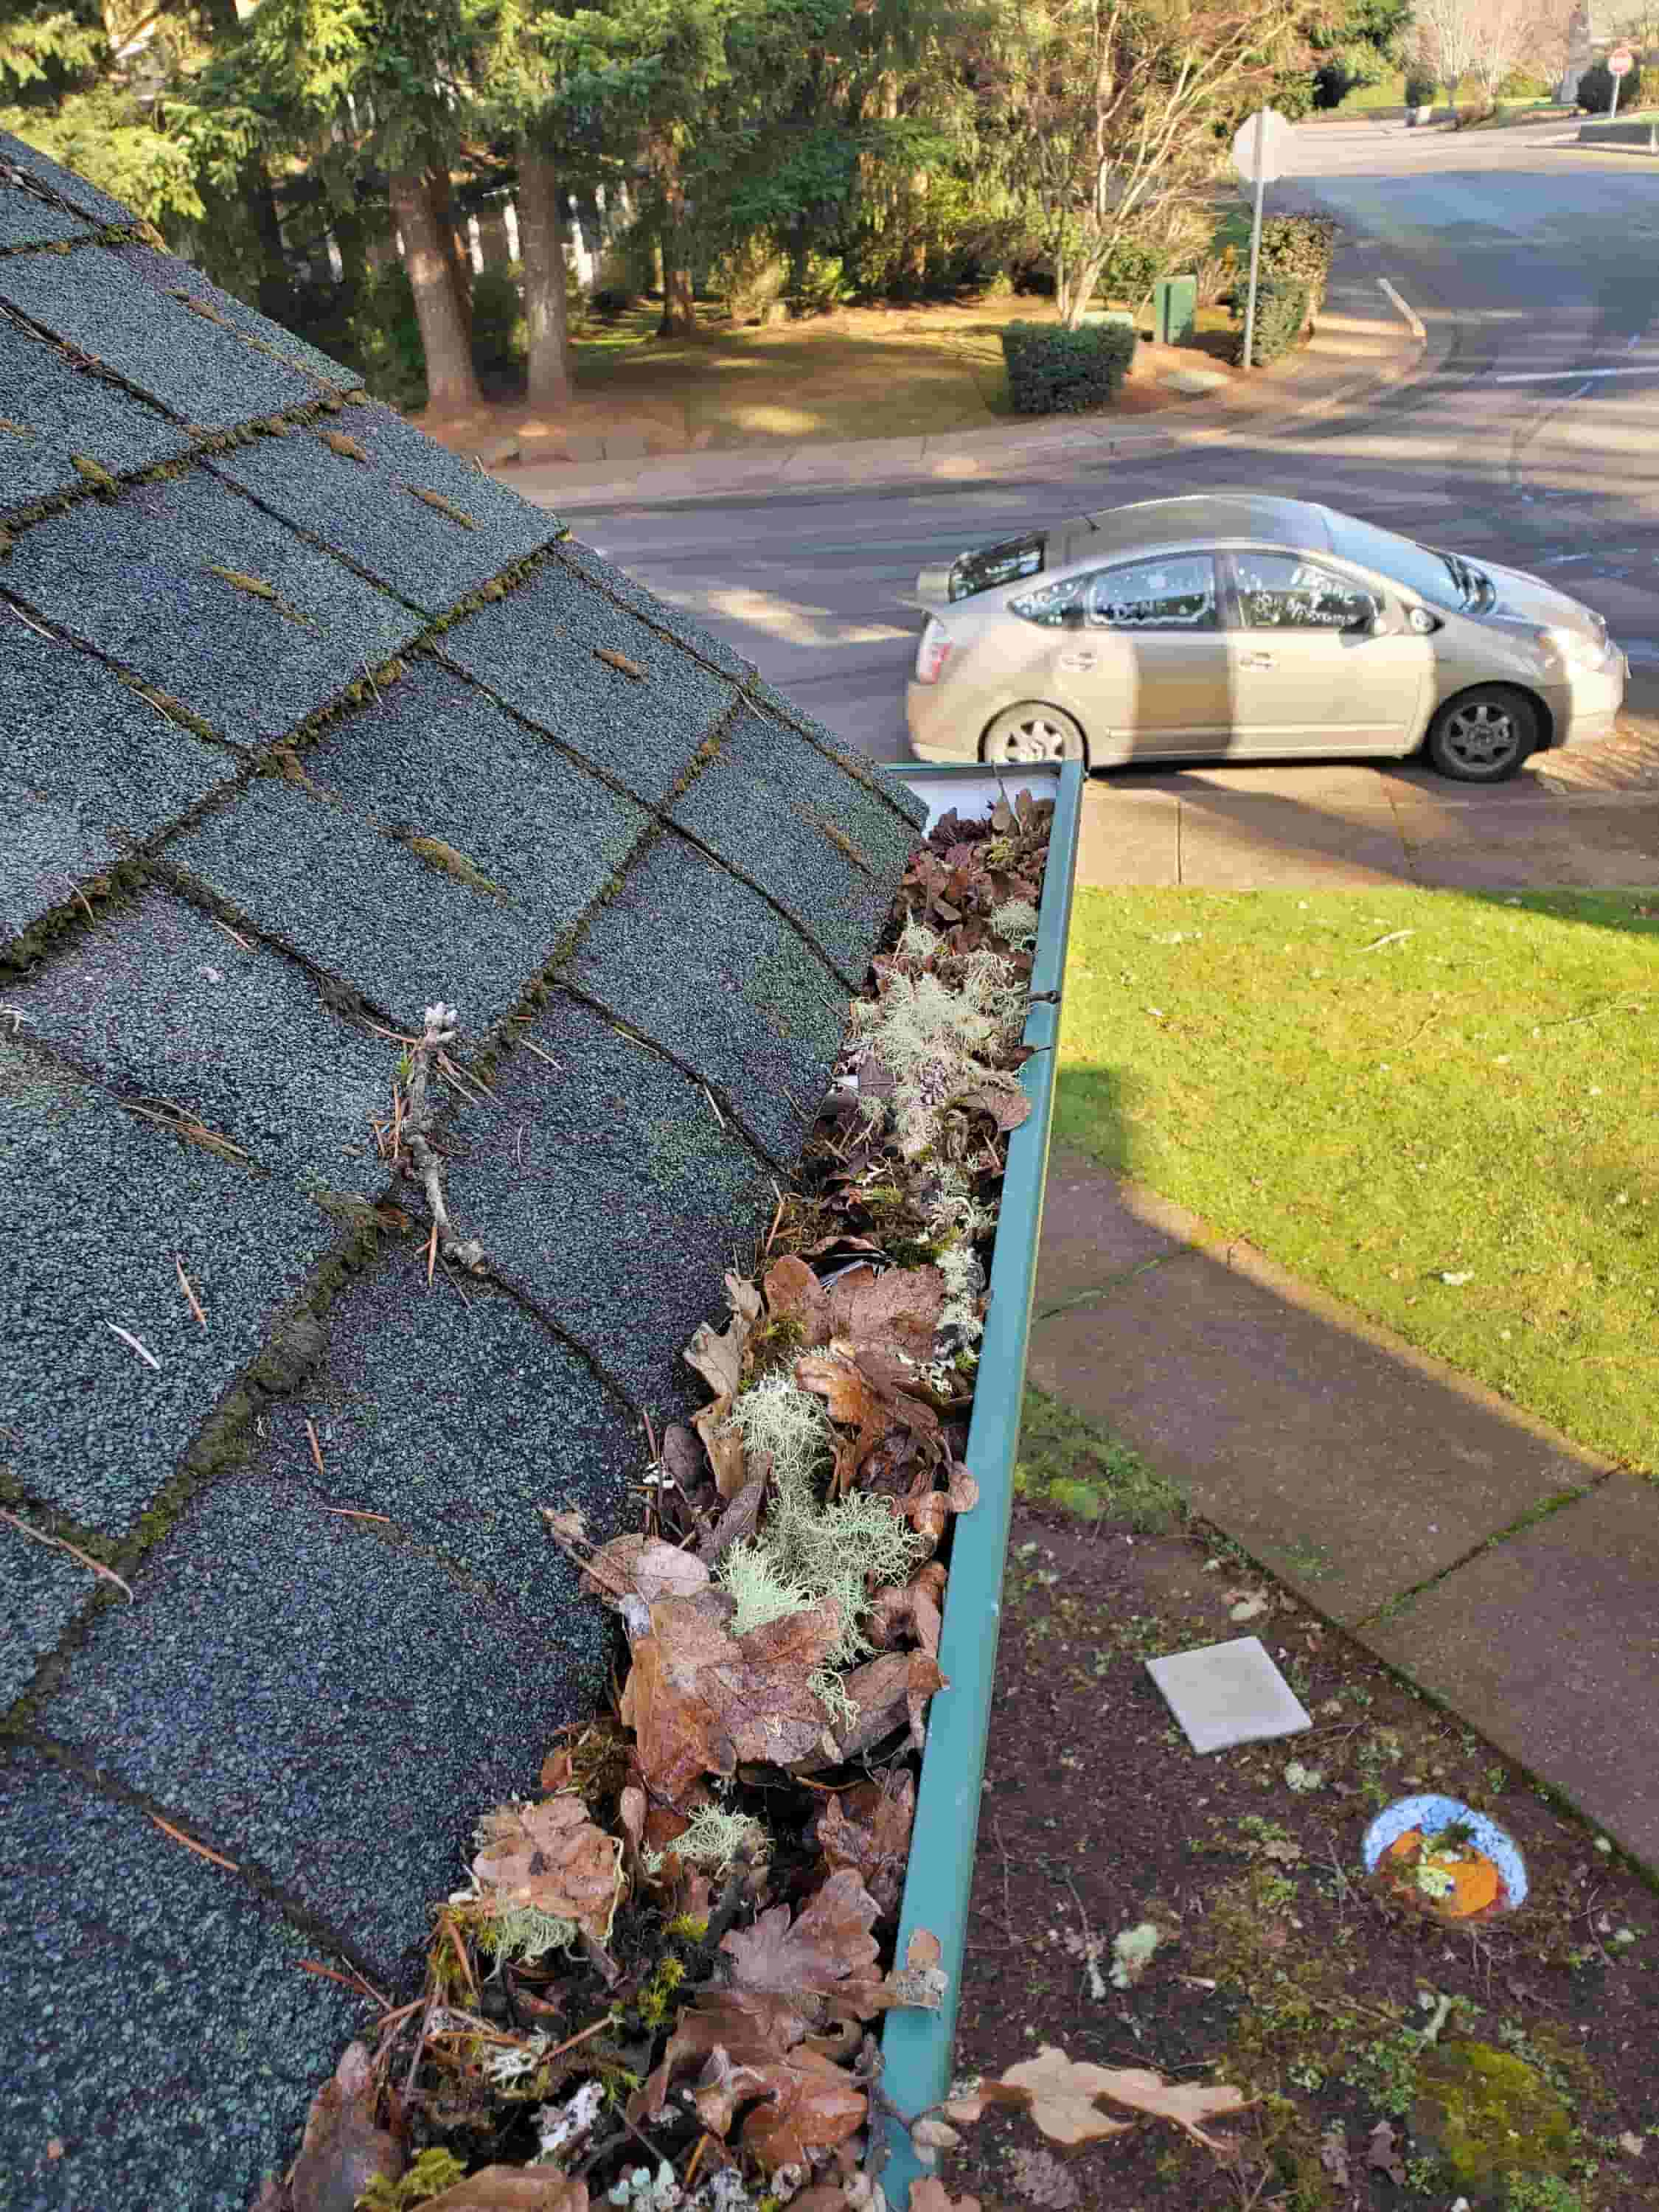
[{"x": 1227, "y": 418}]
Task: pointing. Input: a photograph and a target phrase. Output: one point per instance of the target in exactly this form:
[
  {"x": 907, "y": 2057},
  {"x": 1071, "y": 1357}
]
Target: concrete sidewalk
[
  {"x": 1363, "y": 346},
  {"x": 1342, "y": 826},
  {"x": 1507, "y": 1572}
]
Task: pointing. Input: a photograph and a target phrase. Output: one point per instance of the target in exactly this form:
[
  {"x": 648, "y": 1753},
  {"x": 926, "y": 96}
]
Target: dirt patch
[
  {"x": 1278, "y": 1969},
  {"x": 884, "y": 370}
]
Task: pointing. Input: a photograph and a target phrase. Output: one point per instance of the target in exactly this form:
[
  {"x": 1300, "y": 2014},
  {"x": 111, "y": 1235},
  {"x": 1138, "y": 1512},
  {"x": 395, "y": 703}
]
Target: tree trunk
[
  {"x": 460, "y": 265},
  {"x": 541, "y": 244},
  {"x": 452, "y": 385},
  {"x": 679, "y": 309}
]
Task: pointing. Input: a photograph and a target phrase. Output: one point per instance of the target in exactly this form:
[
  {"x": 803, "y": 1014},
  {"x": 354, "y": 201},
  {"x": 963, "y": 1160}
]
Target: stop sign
[{"x": 1621, "y": 61}]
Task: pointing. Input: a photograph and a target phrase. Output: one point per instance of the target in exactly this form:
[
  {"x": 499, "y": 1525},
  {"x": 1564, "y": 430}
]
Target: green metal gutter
[{"x": 916, "y": 2046}]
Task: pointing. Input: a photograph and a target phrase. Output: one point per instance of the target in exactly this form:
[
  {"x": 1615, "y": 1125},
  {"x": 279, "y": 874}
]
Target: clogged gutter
[{"x": 657, "y": 1988}]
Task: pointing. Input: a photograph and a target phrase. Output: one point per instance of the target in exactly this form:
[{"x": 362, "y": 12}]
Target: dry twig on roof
[{"x": 442, "y": 1023}]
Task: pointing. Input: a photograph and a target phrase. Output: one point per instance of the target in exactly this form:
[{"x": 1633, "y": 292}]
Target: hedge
[
  {"x": 1282, "y": 307},
  {"x": 1299, "y": 245},
  {"x": 1053, "y": 371}
]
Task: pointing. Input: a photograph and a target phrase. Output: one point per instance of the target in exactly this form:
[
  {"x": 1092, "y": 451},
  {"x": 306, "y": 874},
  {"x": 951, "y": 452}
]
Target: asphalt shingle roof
[{"x": 288, "y": 752}]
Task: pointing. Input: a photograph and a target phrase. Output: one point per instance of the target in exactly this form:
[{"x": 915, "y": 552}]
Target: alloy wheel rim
[
  {"x": 1036, "y": 739},
  {"x": 1482, "y": 736}
]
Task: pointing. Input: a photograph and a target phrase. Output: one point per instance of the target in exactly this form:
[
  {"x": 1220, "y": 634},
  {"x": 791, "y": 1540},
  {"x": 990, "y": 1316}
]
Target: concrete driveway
[{"x": 1533, "y": 439}]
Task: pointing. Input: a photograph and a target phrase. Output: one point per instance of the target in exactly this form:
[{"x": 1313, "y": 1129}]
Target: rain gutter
[{"x": 916, "y": 2046}]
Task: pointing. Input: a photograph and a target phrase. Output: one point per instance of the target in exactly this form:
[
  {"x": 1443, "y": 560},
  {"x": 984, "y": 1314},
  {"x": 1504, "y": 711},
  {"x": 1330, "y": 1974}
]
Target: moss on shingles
[
  {"x": 257, "y": 586},
  {"x": 445, "y": 507},
  {"x": 448, "y": 862},
  {"x": 97, "y": 476}
]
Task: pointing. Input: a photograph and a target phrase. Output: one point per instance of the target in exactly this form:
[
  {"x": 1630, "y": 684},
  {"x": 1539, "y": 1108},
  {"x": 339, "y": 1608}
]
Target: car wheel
[
  {"x": 1484, "y": 735},
  {"x": 1021, "y": 735}
]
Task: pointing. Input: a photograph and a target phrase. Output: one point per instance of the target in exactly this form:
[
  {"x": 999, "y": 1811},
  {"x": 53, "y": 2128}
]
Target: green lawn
[{"x": 1455, "y": 1129}]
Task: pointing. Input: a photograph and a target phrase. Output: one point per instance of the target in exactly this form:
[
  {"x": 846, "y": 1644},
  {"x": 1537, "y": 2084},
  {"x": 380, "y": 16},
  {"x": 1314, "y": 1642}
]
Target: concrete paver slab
[
  {"x": 1096, "y": 1230},
  {"x": 1602, "y": 856},
  {"x": 115, "y": 1937},
  {"x": 1549, "y": 1645},
  {"x": 1128, "y": 838},
  {"x": 1350, "y": 1466},
  {"x": 1229, "y": 1693},
  {"x": 1287, "y": 848}
]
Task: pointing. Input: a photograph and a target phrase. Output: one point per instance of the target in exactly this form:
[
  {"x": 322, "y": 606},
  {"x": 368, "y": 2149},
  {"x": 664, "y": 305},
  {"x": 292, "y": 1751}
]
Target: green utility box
[{"x": 1175, "y": 309}]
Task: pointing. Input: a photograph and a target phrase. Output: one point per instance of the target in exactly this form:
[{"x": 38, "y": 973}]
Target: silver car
[{"x": 1258, "y": 628}]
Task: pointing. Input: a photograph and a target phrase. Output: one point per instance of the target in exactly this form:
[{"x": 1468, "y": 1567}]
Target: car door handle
[
  {"x": 1074, "y": 661},
  {"x": 1256, "y": 660}
]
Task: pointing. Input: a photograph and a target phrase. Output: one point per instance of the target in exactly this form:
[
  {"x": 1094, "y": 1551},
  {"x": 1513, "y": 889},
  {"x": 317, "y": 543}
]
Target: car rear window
[{"x": 1005, "y": 562}]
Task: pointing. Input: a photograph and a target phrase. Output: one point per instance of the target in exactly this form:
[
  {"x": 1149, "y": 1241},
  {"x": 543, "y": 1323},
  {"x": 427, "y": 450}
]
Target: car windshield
[
  {"x": 1444, "y": 579},
  {"x": 988, "y": 565}
]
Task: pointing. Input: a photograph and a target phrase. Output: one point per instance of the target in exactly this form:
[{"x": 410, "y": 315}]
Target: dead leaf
[
  {"x": 698, "y": 1698},
  {"x": 681, "y": 1459},
  {"x": 904, "y": 1616},
  {"x": 1630, "y": 2142},
  {"x": 826, "y": 1952},
  {"x": 887, "y": 1692},
  {"x": 619, "y": 660},
  {"x": 513, "y": 2188},
  {"x": 721, "y": 2087},
  {"x": 933, "y": 2134},
  {"x": 1006, "y": 1104},
  {"x": 961, "y": 1491},
  {"x": 723, "y": 1445},
  {"x": 551, "y": 1856},
  {"x": 900, "y": 1305},
  {"x": 811, "y": 2106},
  {"x": 867, "y": 1828},
  {"x": 344, "y": 2147},
  {"x": 737, "y": 1523},
  {"x": 929, "y": 2196},
  {"x": 1333, "y": 2154},
  {"x": 793, "y": 1293},
  {"x": 1064, "y": 2093},
  {"x": 645, "y": 1566},
  {"x": 1383, "y": 2154}
]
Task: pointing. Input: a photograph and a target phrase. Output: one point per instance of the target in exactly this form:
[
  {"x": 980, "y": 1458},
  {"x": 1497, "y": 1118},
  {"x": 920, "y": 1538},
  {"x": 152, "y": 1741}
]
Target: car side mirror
[
  {"x": 1365, "y": 625},
  {"x": 1074, "y": 615}
]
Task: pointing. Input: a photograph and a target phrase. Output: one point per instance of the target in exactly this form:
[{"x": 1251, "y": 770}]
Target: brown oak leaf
[
  {"x": 513, "y": 2188},
  {"x": 645, "y": 1566},
  {"x": 343, "y": 2149},
  {"x": 1063, "y": 2093},
  {"x": 929, "y": 2195},
  {"x": 867, "y": 1828},
  {"x": 899, "y": 1305},
  {"x": 812, "y": 2104},
  {"x": 827, "y": 1951},
  {"x": 698, "y": 1698},
  {"x": 551, "y": 1856},
  {"x": 793, "y": 1293}
]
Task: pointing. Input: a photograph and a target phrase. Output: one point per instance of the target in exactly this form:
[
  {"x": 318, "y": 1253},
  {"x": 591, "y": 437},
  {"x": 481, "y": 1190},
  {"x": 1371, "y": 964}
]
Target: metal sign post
[
  {"x": 1259, "y": 151},
  {"x": 1620, "y": 62}
]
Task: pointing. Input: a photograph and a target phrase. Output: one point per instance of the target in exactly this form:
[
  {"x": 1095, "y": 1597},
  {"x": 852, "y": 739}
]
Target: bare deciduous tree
[{"x": 1108, "y": 108}]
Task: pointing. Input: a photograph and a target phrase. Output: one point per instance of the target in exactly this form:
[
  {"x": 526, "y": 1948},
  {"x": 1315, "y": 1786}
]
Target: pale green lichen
[
  {"x": 523, "y": 1932},
  {"x": 714, "y": 1840},
  {"x": 805, "y": 1551},
  {"x": 1016, "y": 922},
  {"x": 1132, "y": 1952}
]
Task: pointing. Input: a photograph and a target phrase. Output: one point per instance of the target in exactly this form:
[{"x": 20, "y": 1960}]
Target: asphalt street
[{"x": 1534, "y": 262}]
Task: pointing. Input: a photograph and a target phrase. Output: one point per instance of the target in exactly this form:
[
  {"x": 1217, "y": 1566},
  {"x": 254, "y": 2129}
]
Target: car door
[
  {"x": 1143, "y": 658},
  {"x": 1319, "y": 662}
]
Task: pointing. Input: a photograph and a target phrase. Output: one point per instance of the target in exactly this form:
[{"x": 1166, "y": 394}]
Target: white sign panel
[{"x": 1261, "y": 147}]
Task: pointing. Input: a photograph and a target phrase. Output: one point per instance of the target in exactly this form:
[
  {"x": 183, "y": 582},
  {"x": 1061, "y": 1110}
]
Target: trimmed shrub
[
  {"x": 1595, "y": 89},
  {"x": 1060, "y": 371},
  {"x": 1647, "y": 87},
  {"x": 1215, "y": 275},
  {"x": 609, "y": 300},
  {"x": 1283, "y": 304},
  {"x": 1524, "y": 84},
  {"x": 1420, "y": 88},
  {"x": 750, "y": 278}
]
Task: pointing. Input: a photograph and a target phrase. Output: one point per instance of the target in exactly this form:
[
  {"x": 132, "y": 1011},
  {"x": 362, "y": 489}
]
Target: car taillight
[{"x": 932, "y": 653}]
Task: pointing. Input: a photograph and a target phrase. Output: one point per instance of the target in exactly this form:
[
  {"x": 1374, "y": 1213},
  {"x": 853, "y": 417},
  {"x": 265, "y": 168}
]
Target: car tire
[
  {"x": 1021, "y": 736},
  {"x": 1484, "y": 735}
]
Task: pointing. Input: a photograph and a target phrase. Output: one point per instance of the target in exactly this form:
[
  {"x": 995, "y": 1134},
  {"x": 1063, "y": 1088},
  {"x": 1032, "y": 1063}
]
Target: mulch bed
[{"x": 1281, "y": 1969}]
